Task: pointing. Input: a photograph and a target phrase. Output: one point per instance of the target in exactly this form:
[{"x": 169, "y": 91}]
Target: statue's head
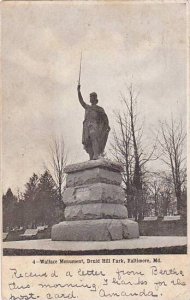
[{"x": 93, "y": 98}]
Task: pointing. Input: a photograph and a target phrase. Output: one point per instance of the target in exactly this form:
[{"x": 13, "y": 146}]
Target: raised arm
[{"x": 80, "y": 97}]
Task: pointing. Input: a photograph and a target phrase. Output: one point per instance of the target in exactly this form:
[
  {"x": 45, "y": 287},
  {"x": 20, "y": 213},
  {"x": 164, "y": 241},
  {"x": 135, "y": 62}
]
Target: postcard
[{"x": 95, "y": 127}]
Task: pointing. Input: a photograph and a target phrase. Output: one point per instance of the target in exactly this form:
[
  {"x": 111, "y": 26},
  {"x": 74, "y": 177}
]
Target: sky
[{"x": 122, "y": 42}]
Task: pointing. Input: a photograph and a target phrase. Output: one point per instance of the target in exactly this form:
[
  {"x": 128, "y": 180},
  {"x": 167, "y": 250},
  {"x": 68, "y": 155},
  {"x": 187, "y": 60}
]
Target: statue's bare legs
[{"x": 94, "y": 144}]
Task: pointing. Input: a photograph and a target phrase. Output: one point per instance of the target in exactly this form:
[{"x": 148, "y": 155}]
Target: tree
[
  {"x": 20, "y": 209},
  {"x": 154, "y": 188},
  {"x": 160, "y": 192},
  {"x": 58, "y": 159},
  {"x": 46, "y": 200},
  {"x": 172, "y": 144},
  {"x": 9, "y": 207},
  {"x": 41, "y": 201},
  {"x": 30, "y": 194},
  {"x": 128, "y": 149},
  {"x": 122, "y": 151}
]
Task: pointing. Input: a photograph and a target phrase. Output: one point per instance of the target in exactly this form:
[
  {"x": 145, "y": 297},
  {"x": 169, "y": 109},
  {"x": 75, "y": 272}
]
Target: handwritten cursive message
[{"x": 99, "y": 278}]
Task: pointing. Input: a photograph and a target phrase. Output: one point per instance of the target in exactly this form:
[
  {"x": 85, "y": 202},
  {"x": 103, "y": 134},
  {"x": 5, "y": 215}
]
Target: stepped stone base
[
  {"x": 95, "y": 230},
  {"x": 95, "y": 204}
]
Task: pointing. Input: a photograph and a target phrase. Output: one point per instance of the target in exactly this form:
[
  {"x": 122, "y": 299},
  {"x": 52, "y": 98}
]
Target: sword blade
[{"x": 80, "y": 68}]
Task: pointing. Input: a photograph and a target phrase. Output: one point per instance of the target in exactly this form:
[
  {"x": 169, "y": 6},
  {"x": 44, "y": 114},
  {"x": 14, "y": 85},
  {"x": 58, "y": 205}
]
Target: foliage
[
  {"x": 9, "y": 207},
  {"x": 39, "y": 205}
]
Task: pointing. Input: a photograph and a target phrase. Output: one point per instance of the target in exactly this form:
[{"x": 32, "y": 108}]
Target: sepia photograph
[{"x": 94, "y": 128}]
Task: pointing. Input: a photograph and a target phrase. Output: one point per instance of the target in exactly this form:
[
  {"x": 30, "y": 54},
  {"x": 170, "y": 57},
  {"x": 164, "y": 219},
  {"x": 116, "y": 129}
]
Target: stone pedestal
[{"x": 94, "y": 200}]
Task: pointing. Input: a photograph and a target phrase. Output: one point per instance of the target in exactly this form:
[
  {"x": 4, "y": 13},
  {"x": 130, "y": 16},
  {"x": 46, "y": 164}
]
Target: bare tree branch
[
  {"x": 58, "y": 160},
  {"x": 172, "y": 146}
]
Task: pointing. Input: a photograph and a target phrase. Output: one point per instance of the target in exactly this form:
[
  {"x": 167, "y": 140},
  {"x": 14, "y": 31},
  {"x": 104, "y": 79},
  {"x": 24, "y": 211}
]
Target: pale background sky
[{"x": 121, "y": 42}]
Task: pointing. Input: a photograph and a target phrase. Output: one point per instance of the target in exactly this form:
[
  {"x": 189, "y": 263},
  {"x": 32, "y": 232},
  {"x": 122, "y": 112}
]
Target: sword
[{"x": 80, "y": 68}]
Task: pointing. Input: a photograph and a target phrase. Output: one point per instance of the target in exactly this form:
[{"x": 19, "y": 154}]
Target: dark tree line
[{"x": 38, "y": 205}]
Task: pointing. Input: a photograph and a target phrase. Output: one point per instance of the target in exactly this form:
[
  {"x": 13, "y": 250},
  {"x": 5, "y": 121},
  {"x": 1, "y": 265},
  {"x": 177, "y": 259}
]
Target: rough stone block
[
  {"x": 95, "y": 230},
  {"x": 130, "y": 229},
  {"x": 90, "y": 164},
  {"x": 95, "y": 211},
  {"x": 99, "y": 192},
  {"x": 95, "y": 175}
]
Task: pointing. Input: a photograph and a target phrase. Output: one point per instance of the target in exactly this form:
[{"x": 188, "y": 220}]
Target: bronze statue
[{"x": 95, "y": 126}]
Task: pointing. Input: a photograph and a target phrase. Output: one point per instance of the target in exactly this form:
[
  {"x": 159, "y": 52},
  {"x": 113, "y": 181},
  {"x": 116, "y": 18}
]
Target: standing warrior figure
[{"x": 95, "y": 126}]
